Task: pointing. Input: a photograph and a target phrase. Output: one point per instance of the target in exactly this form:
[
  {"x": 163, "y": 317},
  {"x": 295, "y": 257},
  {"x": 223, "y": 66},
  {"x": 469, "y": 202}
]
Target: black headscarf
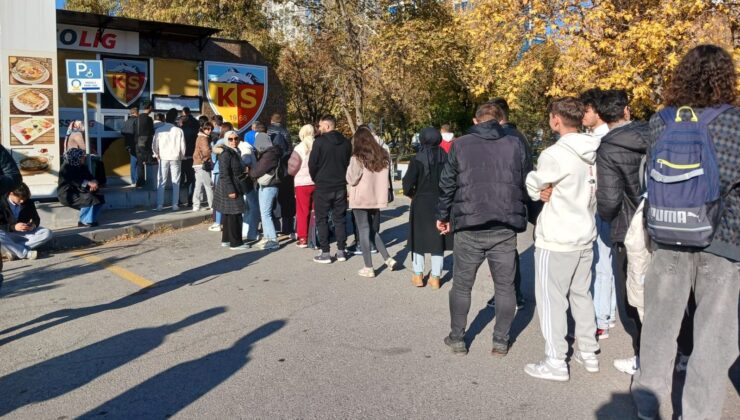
[{"x": 430, "y": 155}]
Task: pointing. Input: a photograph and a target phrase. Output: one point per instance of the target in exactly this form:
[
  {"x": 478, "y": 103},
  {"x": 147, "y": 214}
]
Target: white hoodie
[
  {"x": 169, "y": 142},
  {"x": 567, "y": 220}
]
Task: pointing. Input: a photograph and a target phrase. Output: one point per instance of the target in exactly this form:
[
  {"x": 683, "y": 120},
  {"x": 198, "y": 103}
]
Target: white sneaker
[
  {"x": 175, "y": 208},
  {"x": 158, "y": 208},
  {"x": 215, "y": 227},
  {"x": 32, "y": 254},
  {"x": 546, "y": 370},
  {"x": 195, "y": 209},
  {"x": 588, "y": 360},
  {"x": 628, "y": 365}
]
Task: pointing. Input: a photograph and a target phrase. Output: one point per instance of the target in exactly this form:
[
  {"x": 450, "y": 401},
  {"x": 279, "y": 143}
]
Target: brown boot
[
  {"x": 434, "y": 282},
  {"x": 417, "y": 280}
]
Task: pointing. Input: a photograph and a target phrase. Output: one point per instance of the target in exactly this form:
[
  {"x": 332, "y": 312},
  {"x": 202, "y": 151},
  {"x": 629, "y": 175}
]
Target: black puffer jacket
[
  {"x": 618, "y": 174},
  {"x": 482, "y": 183}
]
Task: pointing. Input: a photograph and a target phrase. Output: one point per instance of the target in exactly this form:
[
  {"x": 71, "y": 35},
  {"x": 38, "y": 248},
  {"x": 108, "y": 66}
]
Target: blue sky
[{"x": 60, "y": 4}]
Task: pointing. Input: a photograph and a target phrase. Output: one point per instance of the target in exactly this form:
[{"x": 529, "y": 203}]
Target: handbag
[{"x": 207, "y": 165}]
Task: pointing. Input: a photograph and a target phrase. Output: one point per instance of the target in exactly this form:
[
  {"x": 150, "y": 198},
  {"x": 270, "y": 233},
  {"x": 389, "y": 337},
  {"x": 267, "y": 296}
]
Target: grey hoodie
[{"x": 566, "y": 222}]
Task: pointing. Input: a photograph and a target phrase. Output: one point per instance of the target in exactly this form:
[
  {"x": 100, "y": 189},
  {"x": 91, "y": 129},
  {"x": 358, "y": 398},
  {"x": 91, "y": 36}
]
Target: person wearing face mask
[{"x": 447, "y": 137}]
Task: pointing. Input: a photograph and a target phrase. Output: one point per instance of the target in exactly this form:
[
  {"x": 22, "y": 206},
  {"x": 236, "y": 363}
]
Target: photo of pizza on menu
[
  {"x": 29, "y": 70},
  {"x": 31, "y": 101},
  {"x": 33, "y": 130}
]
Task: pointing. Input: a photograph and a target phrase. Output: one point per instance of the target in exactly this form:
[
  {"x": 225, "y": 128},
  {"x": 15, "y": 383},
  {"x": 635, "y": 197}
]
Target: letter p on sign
[{"x": 80, "y": 69}]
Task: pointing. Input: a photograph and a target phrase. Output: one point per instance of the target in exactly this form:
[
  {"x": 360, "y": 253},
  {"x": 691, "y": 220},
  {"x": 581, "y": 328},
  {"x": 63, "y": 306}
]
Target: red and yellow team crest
[
  {"x": 126, "y": 79},
  {"x": 237, "y": 92}
]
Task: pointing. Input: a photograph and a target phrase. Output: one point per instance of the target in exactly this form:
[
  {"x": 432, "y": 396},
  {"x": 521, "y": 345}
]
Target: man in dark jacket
[
  {"x": 618, "y": 162},
  {"x": 10, "y": 178},
  {"x": 483, "y": 199},
  {"x": 190, "y": 128},
  {"x": 20, "y": 231},
  {"x": 144, "y": 137},
  {"x": 510, "y": 128},
  {"x": 129, "y": 137},
  {"x": 327, "y": 165}
]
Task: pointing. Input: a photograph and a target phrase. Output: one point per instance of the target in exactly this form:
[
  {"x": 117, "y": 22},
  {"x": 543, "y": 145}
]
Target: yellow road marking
[{"x": 119, "y": 271}]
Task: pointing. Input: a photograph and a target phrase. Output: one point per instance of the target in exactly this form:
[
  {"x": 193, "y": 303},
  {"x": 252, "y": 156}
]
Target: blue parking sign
[{"x": 84, "y": 76}]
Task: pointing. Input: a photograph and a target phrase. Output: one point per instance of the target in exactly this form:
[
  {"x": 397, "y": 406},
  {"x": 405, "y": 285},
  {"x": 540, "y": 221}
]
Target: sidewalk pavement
[{"x": 125, "y": 222}]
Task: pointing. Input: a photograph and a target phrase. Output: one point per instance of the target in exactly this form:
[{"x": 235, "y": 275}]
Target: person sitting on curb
[
  {"x": 79, "y": 189},
  {"x": 20, "y": 233}
]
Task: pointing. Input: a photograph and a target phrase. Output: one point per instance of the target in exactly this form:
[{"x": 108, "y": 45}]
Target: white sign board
[
  {"x": 84, "y": 76},
  {"x": 87, "y": 38}
]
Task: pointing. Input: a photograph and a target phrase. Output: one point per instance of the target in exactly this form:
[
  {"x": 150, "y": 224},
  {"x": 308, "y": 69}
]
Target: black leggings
[{"x": 368, "y": 220}]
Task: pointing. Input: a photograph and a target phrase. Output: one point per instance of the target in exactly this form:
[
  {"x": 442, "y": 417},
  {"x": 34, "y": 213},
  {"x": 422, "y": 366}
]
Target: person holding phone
[{"x": 20, "y": 233}]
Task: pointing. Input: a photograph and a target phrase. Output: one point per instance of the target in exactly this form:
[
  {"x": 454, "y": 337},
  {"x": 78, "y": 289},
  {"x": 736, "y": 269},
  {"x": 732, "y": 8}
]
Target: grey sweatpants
[
  {"x": 669, "y": 281},
  {"x": 19, "y": 243},
  {"x": 560, "y": 277}
]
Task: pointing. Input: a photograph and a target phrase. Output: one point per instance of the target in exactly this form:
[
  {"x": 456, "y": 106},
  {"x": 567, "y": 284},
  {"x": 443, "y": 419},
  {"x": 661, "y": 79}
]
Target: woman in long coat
[
  {"x": 421, "y": 183},
  {"x": 79, "y": 189},
  {"x": 230, "y": 190}
]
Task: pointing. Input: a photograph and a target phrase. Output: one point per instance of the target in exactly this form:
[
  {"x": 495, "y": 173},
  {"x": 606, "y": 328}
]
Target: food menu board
[{"x": 30, "y": 115}]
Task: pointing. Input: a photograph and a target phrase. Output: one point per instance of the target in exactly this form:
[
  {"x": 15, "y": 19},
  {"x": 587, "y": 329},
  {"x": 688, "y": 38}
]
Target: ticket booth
[{"x": 164, "y": 63}]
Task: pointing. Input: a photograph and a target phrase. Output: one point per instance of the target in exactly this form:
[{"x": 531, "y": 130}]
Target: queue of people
[{"x": 607, "y": 185}]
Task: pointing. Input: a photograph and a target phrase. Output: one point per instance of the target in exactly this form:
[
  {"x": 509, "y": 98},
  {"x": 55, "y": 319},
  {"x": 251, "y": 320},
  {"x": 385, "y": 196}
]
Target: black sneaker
[
  {"x": 520, "y": 303},
  {"x": 341, "y": 256},
  {"x": 457, "y": 346},
  {"x": 500, "y": 347},
  {"x": 322, "y": 258}
]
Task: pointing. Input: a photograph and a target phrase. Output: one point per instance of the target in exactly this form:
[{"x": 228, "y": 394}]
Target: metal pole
[
  {"x": 85, "y": 131},
  {"x": 84, "y": 117}
]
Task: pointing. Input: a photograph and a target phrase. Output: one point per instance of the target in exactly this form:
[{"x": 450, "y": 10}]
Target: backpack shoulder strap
[{"x": 709, "y": 114}]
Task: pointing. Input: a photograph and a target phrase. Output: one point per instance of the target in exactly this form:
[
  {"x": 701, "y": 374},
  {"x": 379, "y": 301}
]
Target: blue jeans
[
  {"x": 267, "y": 196},
  {"x": 217, "y": 217},
  {"x": 604, "y": 294},
  {"x": 437, "y": 262},
  {"x": 90, "y": 214},
  {"x": 251, "y": 215}
]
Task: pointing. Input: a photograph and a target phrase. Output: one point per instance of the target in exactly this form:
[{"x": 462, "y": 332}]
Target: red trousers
[{"x": 303, "y": 204}]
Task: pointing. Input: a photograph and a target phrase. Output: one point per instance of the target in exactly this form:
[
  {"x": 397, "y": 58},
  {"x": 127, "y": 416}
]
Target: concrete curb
[{"x": 85, "y": 237}]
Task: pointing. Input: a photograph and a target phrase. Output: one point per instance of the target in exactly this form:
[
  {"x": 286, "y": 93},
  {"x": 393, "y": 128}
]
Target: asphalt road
[{"x": 256, "y": 334}]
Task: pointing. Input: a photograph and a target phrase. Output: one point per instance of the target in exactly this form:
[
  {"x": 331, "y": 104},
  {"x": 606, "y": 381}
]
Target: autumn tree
[
  {"x": 635, "y": 45},
  {"x": 311, "y": 91}
]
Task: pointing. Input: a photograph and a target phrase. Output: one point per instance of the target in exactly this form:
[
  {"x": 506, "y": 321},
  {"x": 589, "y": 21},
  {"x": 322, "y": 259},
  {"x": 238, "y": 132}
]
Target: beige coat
[{"x": 367, "y": 189}]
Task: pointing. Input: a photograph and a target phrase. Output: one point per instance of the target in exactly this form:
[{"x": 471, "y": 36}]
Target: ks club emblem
[
  {"x": 237, "y": 92},
  {"x": 126, "y": 79}
]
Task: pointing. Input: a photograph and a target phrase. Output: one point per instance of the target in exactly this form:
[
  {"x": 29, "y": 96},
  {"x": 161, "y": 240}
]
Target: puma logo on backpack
[{"x": 684, "y": 197}]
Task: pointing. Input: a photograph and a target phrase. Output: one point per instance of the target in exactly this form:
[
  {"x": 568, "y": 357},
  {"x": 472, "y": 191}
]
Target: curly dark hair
[
  {"x": 705, "y": 77},
  {"x": 367, "y": 150}
]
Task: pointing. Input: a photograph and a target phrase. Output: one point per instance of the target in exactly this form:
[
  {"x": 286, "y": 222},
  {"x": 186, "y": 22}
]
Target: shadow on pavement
[
  {"x": 619, "y": 407},
  {"x": 168, "y": 392},
  {"x": 189, "y": 277},
  {"x": 62, "y": 374},
  {"x": 45, "y": 275}
]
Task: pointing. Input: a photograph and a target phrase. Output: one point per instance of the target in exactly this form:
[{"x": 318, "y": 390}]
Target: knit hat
[{"x": 262, "y": 142}]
